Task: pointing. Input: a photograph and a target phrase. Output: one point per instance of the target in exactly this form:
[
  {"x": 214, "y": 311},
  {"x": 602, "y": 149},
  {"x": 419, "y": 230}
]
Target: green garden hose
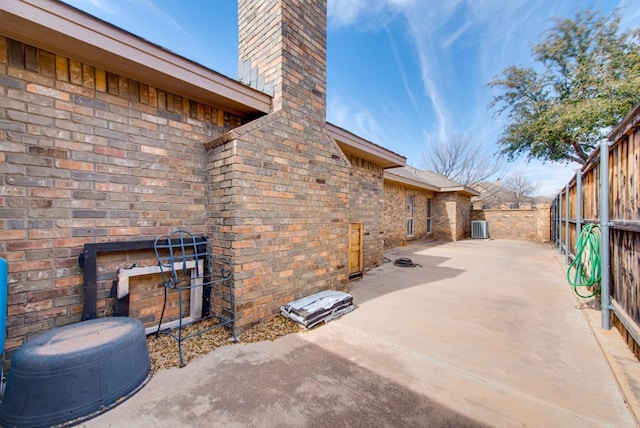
[{"x": 586, "y": 263}]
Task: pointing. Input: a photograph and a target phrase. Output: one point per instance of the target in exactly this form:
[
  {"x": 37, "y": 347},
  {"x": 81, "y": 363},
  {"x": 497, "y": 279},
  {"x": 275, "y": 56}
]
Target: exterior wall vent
[{"x": 479, "y": 230}]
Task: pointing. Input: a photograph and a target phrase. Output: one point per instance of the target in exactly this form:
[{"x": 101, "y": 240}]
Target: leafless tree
[
  {"x": 521, "y": 188},
  {"x": 461, "y": 159}
]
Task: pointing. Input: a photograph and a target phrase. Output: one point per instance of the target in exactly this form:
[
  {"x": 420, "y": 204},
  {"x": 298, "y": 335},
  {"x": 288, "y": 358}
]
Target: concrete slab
[{"x": 484, "y": 333}]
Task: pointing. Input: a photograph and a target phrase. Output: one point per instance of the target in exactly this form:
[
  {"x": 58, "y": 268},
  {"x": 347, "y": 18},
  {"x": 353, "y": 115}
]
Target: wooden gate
[{"x": 355, "y": 249}]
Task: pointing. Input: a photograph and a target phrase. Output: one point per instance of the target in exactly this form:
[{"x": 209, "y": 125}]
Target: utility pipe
[
  {"x": 604, "y": 235},
  {"x": 4, "y": 289}
]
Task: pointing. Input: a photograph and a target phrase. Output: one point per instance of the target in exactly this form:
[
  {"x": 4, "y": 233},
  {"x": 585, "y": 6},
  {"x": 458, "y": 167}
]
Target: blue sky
[{"x": 402, "y": 73}]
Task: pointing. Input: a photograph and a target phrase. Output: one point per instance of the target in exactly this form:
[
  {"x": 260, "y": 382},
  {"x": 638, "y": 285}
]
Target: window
[
  {"x": 429, "y": 215},
  {"x": 410, "y": 205}
]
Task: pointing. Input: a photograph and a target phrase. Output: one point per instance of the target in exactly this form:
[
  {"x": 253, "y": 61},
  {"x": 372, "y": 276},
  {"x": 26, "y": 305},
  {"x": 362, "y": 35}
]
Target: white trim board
[{"x": 195, "y": 301}]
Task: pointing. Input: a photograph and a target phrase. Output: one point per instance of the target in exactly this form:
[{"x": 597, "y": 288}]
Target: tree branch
[{"x": 578, "y": 149}]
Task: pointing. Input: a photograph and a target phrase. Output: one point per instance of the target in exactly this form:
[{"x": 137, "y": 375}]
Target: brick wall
[
  {"x": 89, "y": 156},
  {"x": 366, "y": 196},
  {"x": 280, "y": 185},
  {"x": 463, "y": 217},
  {"x": 287, "y": 41},
  {"x": 453, "y": 219},
  {"x": 522, "y": 225},
  {"x": 395, "y": 233},
  {"x": 280, "y": 209},
  {"x": 395, "y": 214}
]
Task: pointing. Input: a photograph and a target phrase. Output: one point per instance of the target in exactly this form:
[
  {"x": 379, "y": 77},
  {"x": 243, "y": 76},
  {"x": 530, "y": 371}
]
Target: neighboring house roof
[
  {"x": 426, "y": 180},
  {"x": 351, "y": 144},
  {"x": 58, "y": 27},
  {"x": 539, "y": 200},
  {"x": 495, "y": 195}
]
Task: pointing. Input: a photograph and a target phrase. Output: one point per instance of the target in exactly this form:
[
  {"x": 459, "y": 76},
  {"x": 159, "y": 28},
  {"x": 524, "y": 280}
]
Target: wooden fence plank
[{"x": 624, "y": 207}]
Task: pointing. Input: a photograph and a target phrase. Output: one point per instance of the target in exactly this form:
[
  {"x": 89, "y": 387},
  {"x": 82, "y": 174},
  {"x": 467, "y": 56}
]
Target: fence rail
[{"x": 606, "y": 191}]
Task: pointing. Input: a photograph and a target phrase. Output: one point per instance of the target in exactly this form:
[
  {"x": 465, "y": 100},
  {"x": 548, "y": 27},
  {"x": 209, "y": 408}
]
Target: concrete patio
[{"x": 484, "y": 333}]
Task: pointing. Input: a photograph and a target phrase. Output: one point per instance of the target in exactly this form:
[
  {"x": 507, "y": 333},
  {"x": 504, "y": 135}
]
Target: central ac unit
[{"x": 479, "y": 230}]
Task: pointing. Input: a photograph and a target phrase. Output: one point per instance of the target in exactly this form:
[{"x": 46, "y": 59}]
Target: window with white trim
[
  {"x": 429, "y": 223},
  {"x": 410, "y": 210}
]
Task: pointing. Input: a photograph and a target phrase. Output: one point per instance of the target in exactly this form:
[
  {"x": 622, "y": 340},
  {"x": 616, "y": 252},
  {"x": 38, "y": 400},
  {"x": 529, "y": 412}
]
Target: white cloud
[
  {"x": 432, "y": 91},
  {"x": 630, "y": 12},
  {"x": 364, "y": 14},
  {"x": 403, "y": 74},
  {"x": 345, "y": 12},
  {"x": 150, "y": 6},
  {"x": 453, "y": 37},
  {"x": 353, "y": 118},
  {"x": 492, "y": 35},
  {"x": 106, "y": 7}
]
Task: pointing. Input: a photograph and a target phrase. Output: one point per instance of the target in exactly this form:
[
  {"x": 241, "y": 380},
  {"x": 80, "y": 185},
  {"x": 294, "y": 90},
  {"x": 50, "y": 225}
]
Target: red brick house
[{"x": 107, "y": 138}]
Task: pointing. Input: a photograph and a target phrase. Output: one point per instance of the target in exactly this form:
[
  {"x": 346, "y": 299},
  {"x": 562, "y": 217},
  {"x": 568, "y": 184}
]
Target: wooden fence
[{"x": 581, "y": 203}]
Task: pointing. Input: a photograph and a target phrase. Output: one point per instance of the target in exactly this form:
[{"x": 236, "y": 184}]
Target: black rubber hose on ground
[{"x": 405, "y": 262}]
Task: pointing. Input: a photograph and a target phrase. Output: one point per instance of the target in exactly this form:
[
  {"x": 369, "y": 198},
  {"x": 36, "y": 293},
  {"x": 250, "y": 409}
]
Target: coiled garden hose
[
  {"x": 586, "y": 263},
  {"x": 405, "y": 262}
]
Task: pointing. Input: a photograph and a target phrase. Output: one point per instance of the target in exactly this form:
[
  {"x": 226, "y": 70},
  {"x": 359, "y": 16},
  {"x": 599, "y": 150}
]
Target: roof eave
[
  {"x": 409, "y": 182},
  {"x": 357, "y": 146},
  {"x": 465, "y": 190},
  {"x": 60, "y": 28}
]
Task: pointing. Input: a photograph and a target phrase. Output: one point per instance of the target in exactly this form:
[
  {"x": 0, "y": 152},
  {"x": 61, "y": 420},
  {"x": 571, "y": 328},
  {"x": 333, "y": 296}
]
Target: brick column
[{"x": 286, "y": 40}]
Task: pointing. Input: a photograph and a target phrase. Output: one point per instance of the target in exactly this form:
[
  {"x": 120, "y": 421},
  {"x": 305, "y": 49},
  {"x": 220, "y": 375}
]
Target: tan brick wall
[
  {"x": 395, "y": 214},
  {"x": 280, "y": 185},
  {"x": 89, "y": 156},
  {"x": 453, "y": 221},
  {"x": 366, "y": 196},
  {"x": 444, "y": 227},
  {"x": 521, "y": 225},
  {"x": 286, "y": 40},
  {"x": 280, "y": 210},
  {"x": 463, "y": 217}
]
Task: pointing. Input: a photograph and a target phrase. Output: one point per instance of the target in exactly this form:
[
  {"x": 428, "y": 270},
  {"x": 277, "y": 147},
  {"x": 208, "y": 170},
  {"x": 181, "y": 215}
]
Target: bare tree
[
  {"x": 461, "y": 160},
  {"x": 522, "y": 189}
]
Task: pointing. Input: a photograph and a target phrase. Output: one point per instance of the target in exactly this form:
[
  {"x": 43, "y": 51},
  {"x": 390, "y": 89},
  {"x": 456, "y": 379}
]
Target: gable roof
[{"x": 428, "y": 180}]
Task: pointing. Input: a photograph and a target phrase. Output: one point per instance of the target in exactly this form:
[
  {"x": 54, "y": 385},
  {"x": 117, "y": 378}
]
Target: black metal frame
[
  {"x": 210, "y": 271},
  {"x": 88, "y": 261}
]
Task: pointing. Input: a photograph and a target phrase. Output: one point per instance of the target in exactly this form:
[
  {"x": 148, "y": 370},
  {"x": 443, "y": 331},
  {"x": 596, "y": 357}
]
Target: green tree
[{"x": 588, "y": 81}]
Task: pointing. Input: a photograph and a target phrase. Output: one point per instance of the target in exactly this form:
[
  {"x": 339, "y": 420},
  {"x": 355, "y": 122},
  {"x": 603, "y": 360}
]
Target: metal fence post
[
  {"x": 604, "y": 235},
  {"x": 578, "y": 203},
  {"x": 566, "y": 226},
  {"x": 560, "y": 222},
  {"x": 555, "y": 222}
]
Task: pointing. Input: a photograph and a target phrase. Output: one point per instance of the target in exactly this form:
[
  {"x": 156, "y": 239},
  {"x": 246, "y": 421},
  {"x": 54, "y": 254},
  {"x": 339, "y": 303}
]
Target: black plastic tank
[{"x": 75, "y": 372}]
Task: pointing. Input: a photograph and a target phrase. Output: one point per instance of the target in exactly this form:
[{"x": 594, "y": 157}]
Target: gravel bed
[{"x": 163, "y": 350}]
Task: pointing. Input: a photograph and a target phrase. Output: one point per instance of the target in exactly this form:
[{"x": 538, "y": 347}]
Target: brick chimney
[
  {"x": 279, "y": 184},
  {"x": 286, "y": 41}
]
